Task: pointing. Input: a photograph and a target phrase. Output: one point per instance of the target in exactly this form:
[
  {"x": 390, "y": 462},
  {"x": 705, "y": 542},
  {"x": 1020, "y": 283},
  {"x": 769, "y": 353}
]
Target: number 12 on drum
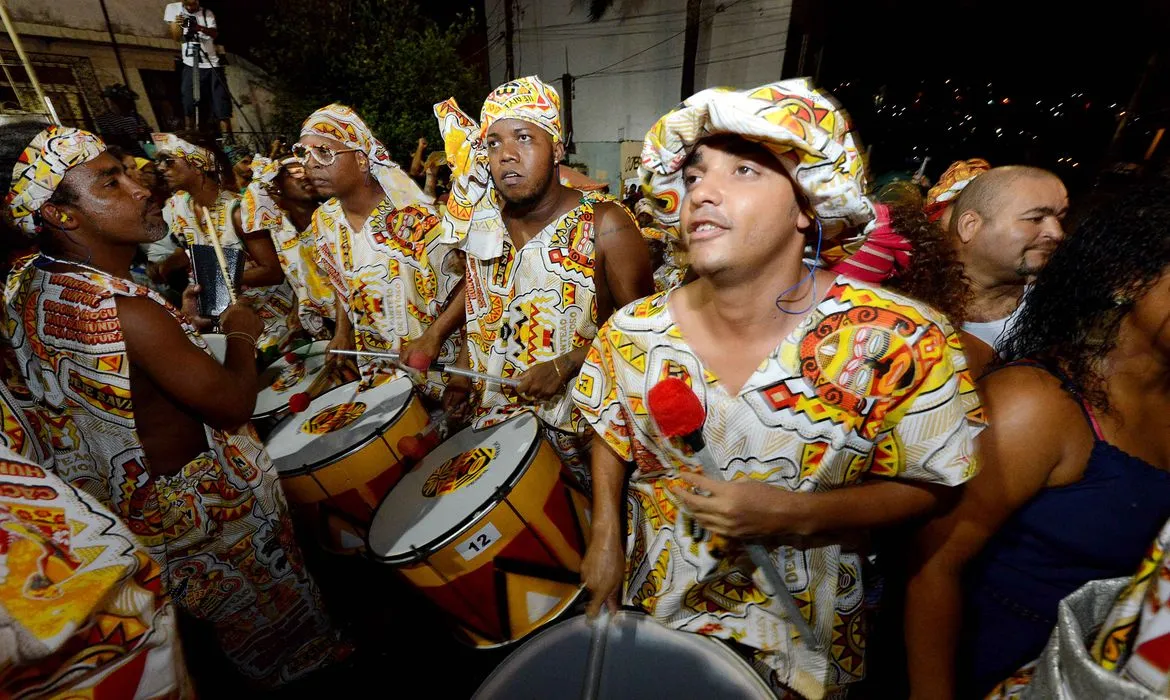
[{"x": 478, "y": 543}]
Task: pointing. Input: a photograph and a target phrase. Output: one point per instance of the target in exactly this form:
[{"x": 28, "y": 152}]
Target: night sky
[{"x": 1056, "y": 78}]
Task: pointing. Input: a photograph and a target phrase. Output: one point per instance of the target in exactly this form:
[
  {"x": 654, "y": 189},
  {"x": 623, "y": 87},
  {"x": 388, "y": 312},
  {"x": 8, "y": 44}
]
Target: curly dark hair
[
  {"x": 935, "y": 275},
  {"x": 1072, "y": 314}
]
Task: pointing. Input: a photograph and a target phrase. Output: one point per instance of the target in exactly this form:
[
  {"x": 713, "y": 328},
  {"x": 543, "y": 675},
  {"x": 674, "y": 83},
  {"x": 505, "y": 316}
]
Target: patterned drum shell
[{"x": 491, "y": 528}]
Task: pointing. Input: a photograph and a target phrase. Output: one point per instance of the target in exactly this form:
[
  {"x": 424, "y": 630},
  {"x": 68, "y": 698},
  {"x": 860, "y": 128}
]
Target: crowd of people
[{"x": 943, "y": 417}]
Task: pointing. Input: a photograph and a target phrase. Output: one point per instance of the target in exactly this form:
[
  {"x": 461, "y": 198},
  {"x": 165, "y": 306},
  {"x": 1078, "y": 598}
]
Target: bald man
[{"x": 1005, "y": 223}]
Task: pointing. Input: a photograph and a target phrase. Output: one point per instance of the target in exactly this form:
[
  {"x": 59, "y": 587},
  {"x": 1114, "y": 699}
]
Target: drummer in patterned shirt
[
  {"x": 378, "y": 240},
  {"x": 81, "y": 597},
  {"x": 546, "y": 264},
  {"x": 137, "y": 413},
  {"x": 832, "y": 406},
  {"x": 280, "y": 200}
]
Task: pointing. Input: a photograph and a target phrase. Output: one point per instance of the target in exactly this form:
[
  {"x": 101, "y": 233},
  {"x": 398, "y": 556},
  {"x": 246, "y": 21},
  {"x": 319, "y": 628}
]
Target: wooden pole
[{"x": 28, "y": 69}]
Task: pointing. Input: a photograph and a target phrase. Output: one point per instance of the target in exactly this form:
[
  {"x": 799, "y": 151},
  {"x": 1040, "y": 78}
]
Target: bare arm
[
  {"x": 1017, "y": 454},
  {"x": 622, "y": 258},
  {"x": 416, "y": 161},
  {"x": 454, "y": 315},
  {"x": 873, "y": 504},
  {"x": 266, "y": 270},
  {"x": 222, "y": 396},
  {"x": 609, "y": 488},
  {"x": 603, "y": 569}
]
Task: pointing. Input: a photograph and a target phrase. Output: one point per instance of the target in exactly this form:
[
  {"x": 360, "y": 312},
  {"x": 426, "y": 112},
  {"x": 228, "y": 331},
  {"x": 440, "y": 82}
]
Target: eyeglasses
[{"x": 322, "y": 154}]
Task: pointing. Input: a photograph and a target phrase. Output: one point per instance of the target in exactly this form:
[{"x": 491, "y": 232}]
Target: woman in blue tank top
[{"x": 1075, "y": 464}]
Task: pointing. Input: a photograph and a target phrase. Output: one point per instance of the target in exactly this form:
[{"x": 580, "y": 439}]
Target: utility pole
[
  {"x": 28, "y": 68},
  {"x": 114, "y": 43},
  {"x": 509, "y": 59},
  {"x": 690, "y": 47},
  {"x": 567, "y": 111}
]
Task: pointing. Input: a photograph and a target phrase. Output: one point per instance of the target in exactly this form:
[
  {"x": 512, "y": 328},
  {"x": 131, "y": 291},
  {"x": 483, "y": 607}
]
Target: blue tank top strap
[{"x": 1065, "y": 383}]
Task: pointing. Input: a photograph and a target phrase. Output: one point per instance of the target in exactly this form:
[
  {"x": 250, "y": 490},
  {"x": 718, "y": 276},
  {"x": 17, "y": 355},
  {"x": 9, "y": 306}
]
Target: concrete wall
[
  {"x": 616, "y": 99},
  {"x": 137, "y": 19},
  {"x": 104, "y": 64}
]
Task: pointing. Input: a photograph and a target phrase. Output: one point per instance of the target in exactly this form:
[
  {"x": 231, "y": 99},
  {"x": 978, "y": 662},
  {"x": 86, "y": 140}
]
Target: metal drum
[{"x": 641, "y": 658}]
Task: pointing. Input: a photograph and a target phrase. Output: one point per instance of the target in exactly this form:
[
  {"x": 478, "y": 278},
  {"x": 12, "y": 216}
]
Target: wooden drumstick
[
  {"x": 449, "y": 369},
  {"x": 223, "y": 266},
  {"x": 594, "y": 663}
]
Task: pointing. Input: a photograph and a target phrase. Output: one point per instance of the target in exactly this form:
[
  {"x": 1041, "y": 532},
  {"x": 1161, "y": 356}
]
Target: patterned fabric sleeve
[
  {"x": 597, "y": 395},
  {"x": 324, "y": 259},
  {"x": 929, "y": 434},
  {"x": 82, "y": 611}
]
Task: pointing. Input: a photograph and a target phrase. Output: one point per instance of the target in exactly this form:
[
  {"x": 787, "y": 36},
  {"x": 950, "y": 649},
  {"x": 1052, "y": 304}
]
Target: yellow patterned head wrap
[
  {"x": 259, "y": 210},
  {"x": 341, "y": 123},
  {"x": 472, "y": 213},
  {"x": 804, "y": 127},
  {"x": 199, "y": 157},
  {"x": 41, "y": 167},
  {"x": 528, "y": 99},
  {"x": 952, "y": 182}
]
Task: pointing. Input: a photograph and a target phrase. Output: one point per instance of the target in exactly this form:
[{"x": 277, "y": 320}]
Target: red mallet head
[
  {"x": 675, "y": 408},
  {"x": 419, "y": 361},
  {"x": 411, "y": 447},
  {"x": 298, "y": 402}
]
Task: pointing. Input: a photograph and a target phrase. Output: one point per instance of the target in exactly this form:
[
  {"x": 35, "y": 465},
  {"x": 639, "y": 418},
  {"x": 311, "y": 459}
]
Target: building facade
[
  {"x": 76, "y": 53},
  {"x": 626, "y": 68}
]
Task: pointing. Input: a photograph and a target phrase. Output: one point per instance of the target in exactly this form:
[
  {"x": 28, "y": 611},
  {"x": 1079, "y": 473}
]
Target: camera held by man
[{"x": 205, "y": 93}]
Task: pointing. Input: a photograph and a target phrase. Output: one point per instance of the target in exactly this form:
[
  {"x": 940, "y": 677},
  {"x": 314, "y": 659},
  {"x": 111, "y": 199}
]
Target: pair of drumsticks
[{"x": 449, "y": 369}]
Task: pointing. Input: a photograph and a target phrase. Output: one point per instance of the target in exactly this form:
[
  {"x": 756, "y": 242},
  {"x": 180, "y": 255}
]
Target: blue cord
[{"x": 812, "y": 269}]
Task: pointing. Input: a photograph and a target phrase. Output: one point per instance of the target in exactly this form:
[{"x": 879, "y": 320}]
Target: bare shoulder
[
  {"x": 611, "y": 217},
  {"x": 148, "y": 327},
  {"x": 615, "y": 230},
  {"x": 143, "y": 313},
  {"x": 1028, "y": 407}
]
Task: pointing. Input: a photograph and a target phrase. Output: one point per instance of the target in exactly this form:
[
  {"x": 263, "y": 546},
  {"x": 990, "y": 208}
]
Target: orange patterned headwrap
[{"x": 952, "y": 182}]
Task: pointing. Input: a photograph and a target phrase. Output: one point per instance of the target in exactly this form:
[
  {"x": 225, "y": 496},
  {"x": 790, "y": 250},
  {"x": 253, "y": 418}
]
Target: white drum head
[
  {"x": 422, "y": 512},
  {"x": 337, "y": 422},
  {"x": 217, "y": 344},
  {"x": 286, "y": 379},
  {"x": 641, "y": 659}
]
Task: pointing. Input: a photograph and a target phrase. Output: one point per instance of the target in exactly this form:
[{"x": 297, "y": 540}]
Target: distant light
[
  {"x": 1005, "y": 101},
  {"x": 947, "y": 81}
]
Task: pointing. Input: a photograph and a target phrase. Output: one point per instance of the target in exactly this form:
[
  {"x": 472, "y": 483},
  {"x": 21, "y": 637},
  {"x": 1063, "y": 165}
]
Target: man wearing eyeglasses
[{"x": 377, "y": 239}]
